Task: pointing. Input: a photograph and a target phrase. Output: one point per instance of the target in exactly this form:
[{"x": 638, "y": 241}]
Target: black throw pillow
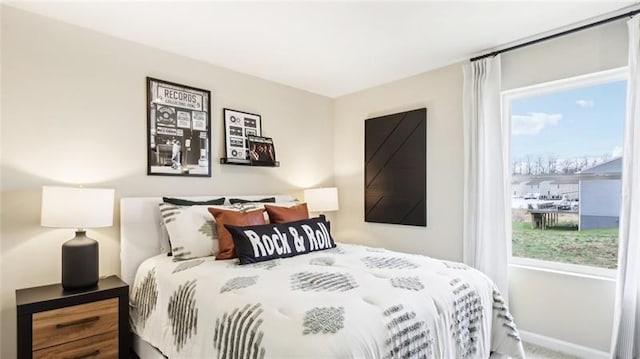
[
  {"x": 270, "y": 241},
  {"x": 240, "y": 200},
  {"x": 186, "y": 202}
]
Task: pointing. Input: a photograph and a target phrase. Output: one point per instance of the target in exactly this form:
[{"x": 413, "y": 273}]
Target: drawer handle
[
  {"x": 78, "y": 322},
  {"x": 89, "y": 355}
]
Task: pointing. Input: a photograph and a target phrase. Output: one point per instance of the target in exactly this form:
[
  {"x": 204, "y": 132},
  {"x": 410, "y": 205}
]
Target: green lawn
[{"x": 563, "y": 243}]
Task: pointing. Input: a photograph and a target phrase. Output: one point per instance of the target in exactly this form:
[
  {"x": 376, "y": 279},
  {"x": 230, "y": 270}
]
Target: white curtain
[
  {"x": 487, "y": 225},
  {"x": 626, "y": 331}
]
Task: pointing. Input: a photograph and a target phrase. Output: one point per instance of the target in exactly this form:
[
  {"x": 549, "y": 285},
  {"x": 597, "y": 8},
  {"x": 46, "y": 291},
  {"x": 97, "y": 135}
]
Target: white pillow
[
  {"x": 192, "y": 230},
  {"x": 165, "y": 243},
  {"x": 250, "y": 206},
  {"x": 284, "y": 204}
]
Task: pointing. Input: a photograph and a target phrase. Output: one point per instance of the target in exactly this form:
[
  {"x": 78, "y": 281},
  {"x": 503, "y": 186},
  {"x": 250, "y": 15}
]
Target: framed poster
[
  {"x": 261, "y": 151},
  {"x": 178, "y": 129},
  {"x": 238, "y": 126}
]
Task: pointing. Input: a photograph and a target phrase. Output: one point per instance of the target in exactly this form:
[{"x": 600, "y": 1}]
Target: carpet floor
[{"x": 536, "y": 352}]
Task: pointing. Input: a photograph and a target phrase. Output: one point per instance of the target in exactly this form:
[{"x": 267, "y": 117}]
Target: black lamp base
[{"x": 80, "y": 262}]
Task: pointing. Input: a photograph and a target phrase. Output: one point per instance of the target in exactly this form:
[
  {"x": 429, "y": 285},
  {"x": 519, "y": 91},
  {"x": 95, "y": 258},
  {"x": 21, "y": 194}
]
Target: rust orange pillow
[
  {"x": 287, "y": 214},
  {"x": 235, "y": 218}
]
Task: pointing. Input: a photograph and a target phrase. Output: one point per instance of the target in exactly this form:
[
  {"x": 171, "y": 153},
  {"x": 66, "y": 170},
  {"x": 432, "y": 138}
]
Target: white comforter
[{"x": 346, "y": 302}]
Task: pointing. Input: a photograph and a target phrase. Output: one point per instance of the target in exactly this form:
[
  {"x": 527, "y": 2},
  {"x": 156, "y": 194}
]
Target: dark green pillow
[
  {"x": 264, "y": 200},
  {"x": 185, "y": 202}
]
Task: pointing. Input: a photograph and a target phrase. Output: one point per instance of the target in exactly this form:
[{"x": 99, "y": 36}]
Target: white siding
[{"x": 600, "y": 198}]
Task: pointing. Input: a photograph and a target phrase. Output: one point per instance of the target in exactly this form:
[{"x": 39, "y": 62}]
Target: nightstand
[{"x": 91, "y": 323}]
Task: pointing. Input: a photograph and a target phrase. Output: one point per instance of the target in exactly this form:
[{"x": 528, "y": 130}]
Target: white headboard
[{"x": 140, "y": 235}]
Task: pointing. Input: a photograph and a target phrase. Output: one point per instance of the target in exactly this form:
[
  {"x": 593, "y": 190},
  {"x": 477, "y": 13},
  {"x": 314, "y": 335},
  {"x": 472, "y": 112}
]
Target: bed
[{"x": 345, "y": 302}]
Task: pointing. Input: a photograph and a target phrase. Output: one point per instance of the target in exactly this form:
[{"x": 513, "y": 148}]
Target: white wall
[
  {"x": 570, "y": 308},
  {"x": 1, "y": 290},
  {"x": 440, "y": 91},
  {"x": 596, "y": 49},
  {"x": 73, "y": 112}
]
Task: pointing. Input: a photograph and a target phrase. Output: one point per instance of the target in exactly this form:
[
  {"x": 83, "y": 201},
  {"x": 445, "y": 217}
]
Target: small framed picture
[
  {"x": 238, "y": 126},
  {"x": 261, "y": 150},
  {"x": 178, "y": 129}
]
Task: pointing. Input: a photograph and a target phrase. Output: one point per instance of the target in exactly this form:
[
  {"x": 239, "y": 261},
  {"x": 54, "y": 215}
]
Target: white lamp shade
[
  {"x": 69, "y": 207},
  {"x": 321, "y": 199}
]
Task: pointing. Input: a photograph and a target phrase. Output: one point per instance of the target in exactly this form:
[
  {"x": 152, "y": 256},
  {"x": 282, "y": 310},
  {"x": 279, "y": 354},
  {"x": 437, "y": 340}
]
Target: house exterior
[
  {"x": 555, "y": 186},
  {"x": 597, "y": 189},
  {"x": 600, "y": 195}
]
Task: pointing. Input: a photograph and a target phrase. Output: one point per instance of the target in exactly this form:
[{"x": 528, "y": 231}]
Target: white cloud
[
  {"x": 533, "y": 123},
  {"x": 585, "y": 103},
  {"x": 617, "y": 152}
]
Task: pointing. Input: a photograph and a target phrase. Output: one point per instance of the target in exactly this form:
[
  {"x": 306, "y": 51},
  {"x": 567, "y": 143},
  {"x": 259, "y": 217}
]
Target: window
[{"x": 566, "y": 148}]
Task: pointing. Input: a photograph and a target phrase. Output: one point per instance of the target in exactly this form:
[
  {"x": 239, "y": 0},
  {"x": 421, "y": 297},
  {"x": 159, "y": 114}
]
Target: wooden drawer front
[
  {"x": 63, "y": 325},
  {"x": 96, "y": 347}
]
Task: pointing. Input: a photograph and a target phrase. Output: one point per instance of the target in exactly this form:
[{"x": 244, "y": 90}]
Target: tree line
[{"x": 535, "y": 165}]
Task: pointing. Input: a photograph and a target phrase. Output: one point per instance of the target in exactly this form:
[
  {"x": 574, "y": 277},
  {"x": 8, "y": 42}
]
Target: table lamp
[
  {"x": 321, "y": 199},
  {"x": 78, "y": 208}
]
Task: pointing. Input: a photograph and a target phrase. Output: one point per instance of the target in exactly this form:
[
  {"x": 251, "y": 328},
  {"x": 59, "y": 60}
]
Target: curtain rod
[{"x": 553, "y": 36}]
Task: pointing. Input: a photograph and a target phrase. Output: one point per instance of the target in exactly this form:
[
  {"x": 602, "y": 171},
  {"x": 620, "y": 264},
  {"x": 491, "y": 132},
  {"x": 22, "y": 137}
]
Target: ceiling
[{"x": 328, "y": 48}]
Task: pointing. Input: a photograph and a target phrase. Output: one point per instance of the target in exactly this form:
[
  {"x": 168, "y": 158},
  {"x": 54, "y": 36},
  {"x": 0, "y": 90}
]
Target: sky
[{"x": 586, "y": 121}]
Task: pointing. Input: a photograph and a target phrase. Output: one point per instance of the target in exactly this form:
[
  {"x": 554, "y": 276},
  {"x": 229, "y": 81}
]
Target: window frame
[{"x": 507, "y": 96}]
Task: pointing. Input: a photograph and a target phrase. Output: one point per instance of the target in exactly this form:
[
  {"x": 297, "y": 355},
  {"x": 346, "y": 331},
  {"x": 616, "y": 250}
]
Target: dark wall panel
[{"x": 395, "y": 176}]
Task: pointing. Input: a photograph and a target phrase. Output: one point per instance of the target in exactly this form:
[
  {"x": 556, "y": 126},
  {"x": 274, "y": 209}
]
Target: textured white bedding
[{"x": 346, "y": 302}]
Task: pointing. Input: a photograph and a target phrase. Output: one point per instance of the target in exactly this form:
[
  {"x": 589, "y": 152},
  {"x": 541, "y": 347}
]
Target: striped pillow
[{"x": 192, "y": 231}]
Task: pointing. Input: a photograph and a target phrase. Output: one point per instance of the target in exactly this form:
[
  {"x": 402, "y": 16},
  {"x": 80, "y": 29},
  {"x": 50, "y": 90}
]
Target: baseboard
[{"x": 562, "y": 346}]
